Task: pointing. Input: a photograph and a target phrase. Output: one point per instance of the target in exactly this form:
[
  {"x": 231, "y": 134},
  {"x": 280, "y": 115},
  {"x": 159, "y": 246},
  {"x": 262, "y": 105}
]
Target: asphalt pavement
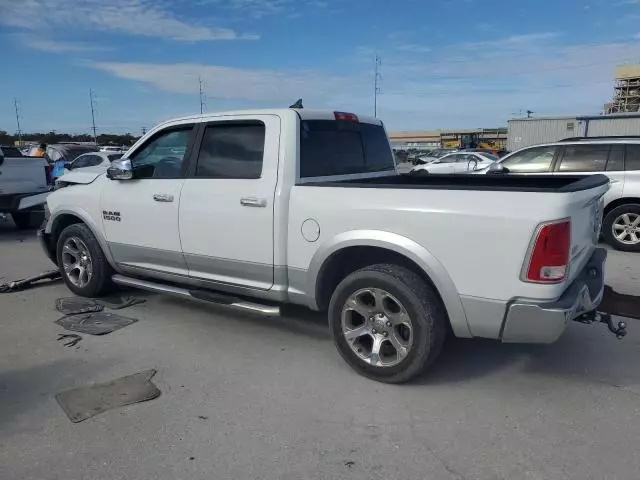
[{"x": 244, "y": 397}]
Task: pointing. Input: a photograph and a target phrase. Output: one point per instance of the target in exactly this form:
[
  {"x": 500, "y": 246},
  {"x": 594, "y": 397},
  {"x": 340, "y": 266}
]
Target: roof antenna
[{"x": 298, "y": 104}]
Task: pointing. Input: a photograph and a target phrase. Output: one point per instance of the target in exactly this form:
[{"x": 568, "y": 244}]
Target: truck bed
[{"x": 503, "y": 182}]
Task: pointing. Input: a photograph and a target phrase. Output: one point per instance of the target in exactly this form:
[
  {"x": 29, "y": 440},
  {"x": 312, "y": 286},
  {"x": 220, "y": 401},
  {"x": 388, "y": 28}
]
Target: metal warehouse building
[{"x": 523, "y": 132}]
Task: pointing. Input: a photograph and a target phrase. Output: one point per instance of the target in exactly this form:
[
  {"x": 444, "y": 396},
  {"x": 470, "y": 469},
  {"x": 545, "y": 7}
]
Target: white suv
[{"x": 616, "y": 157}]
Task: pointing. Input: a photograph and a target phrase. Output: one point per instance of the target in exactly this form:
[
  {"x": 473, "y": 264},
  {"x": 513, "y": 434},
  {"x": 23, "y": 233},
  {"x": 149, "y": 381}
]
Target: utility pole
[
  {"x": 15, "y": 103},
  {"x": 144, "y": 131},
  {"x": 202, "y": 96},
  {"x": 376, "y": 89},
  {"x": 529, "y": 113},
  {"x": 93, "y": 116}
]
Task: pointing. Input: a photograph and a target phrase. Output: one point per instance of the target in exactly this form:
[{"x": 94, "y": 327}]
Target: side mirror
[
  {"x": 120, "y": 170},
  {"x": 497, "y": 167},
  {"x": 68, "y": 165}
]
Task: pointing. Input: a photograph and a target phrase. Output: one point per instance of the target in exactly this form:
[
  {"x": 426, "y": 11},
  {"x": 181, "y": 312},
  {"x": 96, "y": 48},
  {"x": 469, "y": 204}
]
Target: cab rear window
[{"x": 329, "y": 147}]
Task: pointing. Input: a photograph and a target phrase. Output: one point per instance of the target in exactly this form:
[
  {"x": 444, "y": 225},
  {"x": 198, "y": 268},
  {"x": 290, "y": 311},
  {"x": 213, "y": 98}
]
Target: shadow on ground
[
  {"x": 24, "y": 390},
  {"x": 9, "y": 233},
  {"x": 580, "y": 354}
]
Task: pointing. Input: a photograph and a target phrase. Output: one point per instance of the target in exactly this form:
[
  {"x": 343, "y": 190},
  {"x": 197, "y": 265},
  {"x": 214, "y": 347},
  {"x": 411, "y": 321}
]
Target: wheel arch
[
  {"x": 350, "y": 251},
  {"x": 62, "y": 218},
  {"x": 618, "y": 202}
]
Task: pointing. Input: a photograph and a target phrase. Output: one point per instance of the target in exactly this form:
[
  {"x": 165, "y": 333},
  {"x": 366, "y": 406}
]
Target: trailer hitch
[{"x": 619, "y": 330}]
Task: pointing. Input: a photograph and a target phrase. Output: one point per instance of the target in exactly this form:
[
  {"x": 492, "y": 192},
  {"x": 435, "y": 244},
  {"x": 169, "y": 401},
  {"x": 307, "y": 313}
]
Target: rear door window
[
  {"x": 616, "y": 158},
  {"x": 584, "y": 158},
  {"x": 632, "y": 159},
  {"x": 232, "y": 150},
  {"x": 329, "y": 147},
  {"x": 531, "y": 160}
]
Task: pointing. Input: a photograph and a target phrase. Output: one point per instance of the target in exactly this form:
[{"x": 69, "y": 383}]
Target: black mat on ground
[
  {"x": 86, "y": 402},
  {"x": 118, "y": 303},
  {"x": 98, "y": 323},
  {"x": 77, "y": 305}
]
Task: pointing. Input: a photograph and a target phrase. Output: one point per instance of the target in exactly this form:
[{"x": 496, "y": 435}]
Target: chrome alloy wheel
[
  {"x": 76, "y": 262},
  {"x": 626, "y": 228},
  {"x": 377, "y": 327}
]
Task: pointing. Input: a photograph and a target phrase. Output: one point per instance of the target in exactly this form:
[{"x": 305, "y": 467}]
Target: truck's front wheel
[
  {"x": 82, "y": 263},
  {"x": 387, "y": 323}
]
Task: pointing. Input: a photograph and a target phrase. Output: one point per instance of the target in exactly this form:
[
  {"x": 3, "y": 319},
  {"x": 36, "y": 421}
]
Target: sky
[{"x": 444, "y": 63}]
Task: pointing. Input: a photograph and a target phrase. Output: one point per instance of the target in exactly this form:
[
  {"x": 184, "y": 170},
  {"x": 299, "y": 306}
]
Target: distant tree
[{"x": 5, "y": 138}]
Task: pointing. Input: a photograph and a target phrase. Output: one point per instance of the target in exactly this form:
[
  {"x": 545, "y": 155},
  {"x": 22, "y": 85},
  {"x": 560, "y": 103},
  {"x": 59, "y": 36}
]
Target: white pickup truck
[{"x": 254, "y": 209}]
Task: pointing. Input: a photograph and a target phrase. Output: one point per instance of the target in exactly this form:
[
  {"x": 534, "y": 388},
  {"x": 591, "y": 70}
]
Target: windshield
[
  {"x": 489, "y": 156},
  {"x": 329, "y": 147},
  {"x": 70, "y": 153}
]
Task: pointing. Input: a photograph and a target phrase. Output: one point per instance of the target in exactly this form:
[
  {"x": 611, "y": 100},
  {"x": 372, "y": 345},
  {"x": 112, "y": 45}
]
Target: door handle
[
  {"x": 253, "y": 202},
  {"x": 162, "y": 197}
]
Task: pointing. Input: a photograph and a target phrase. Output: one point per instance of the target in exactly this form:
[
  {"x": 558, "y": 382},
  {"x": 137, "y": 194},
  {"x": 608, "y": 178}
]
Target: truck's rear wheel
[
  {"x": 621, "y": 228},
  {"x": 82, "y": 263},
  {"x": 387, "y": 323}
]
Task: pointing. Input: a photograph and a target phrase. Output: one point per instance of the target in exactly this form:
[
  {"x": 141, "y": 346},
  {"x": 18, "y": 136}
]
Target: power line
[
  {"x": 93, "y": 117},
  {"x": 15, "y": 103},
  {"x": 376, "y": 89},
  {"x": 203, "y": 95}
]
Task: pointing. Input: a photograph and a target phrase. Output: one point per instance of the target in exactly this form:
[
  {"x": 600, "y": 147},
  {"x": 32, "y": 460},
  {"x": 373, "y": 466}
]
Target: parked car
[
  {"x": 459, "y": 162},
  {"x": 431, "y": 155},
  {"x": 65, "y": 152},
  {"x": 98, "y": 161},
  {"x": 616, "y": 157},
  {"x": 253, "y": 209},
  {"x": 113, "y": 149},
  {"x": 21, "y": 178},
  {"x": 8, "y": 151}
]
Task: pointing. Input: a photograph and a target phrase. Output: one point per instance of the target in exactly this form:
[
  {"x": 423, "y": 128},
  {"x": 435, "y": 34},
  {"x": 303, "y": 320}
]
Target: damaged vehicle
[{"x": 254, "y": 209}]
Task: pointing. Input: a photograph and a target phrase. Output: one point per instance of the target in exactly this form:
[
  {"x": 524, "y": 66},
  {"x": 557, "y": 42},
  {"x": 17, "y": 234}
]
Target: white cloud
[
  {"x": 262, "y": 8},
  {"x": 227, "y": 82},
  {"x": 134, "y": 17},
  {"x": 451, "y": 87},
  {"x": 53, "y": 46}
]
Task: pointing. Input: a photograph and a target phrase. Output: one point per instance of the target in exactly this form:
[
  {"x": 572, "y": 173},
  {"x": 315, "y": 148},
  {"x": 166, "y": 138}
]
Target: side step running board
[{"x": 202, "y": 295}]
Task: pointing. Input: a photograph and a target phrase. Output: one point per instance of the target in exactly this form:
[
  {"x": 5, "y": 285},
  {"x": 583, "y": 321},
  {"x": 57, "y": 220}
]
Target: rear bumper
[
  {"x": 11, "y": 203},
  {"x": 534, "y": 322}
]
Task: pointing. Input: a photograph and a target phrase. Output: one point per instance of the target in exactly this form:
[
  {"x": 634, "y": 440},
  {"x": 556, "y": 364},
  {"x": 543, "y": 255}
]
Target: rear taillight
[
  {"x": 346, "y": 117},
  {"x": 47, "y": 172},
  {"x": 549, "y": 259}
]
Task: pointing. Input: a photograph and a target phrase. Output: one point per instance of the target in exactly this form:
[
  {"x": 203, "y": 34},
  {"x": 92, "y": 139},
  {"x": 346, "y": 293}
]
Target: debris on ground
[
  {"x": 86, "y": 402},
  {"x": 77, "y": 305},
  {"x": 29, "y": 282},
  {"x": 95, "y": 323},
  {"x": 73, "y": 338}
]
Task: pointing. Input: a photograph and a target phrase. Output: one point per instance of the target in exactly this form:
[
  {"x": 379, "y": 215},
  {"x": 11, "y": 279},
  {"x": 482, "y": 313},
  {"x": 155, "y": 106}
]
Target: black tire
[
  {"x": 100, "y": 282},
  {"x": 27, "y": 220},
  {"x": 607, "y": 227},
  {"x": 428, "y": 318}
]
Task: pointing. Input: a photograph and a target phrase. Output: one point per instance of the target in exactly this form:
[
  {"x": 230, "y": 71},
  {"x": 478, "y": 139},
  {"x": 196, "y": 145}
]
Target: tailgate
[
  {"x": 586, "y": 208},
  {"x": 23, "y": 175}
]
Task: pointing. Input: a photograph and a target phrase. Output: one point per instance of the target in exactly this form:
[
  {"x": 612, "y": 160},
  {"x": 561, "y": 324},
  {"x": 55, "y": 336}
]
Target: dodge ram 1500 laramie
[{"x": 254, "y": 209}]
